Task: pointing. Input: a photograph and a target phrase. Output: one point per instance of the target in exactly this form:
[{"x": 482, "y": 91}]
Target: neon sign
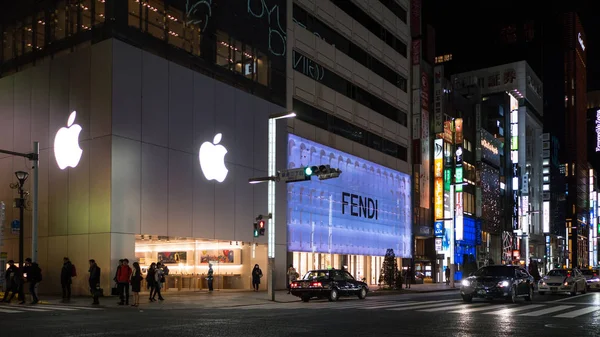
[
  {"x": 277, "y": 35},
  {"x": 598, "y": 130},
  {"x": 489, "y": 146},
  {"x": 580, "y": 39}
]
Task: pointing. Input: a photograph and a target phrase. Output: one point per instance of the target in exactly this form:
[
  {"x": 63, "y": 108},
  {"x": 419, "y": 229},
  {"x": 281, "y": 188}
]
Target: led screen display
[
  {"x": 365, "y": 211},
  {"x": 490, "y": 192}
]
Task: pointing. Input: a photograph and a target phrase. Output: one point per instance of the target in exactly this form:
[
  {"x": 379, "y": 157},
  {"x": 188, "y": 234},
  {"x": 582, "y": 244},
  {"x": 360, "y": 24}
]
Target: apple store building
[{"x": 141, "y": 158}]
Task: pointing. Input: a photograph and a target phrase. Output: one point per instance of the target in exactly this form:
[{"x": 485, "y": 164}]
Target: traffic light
[
  {"x": 261, "y": 227},
  {"x": 321, "y": 171}
]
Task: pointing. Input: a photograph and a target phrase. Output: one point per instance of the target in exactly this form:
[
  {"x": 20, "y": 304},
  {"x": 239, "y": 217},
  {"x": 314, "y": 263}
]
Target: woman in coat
[
  {"x": 256, "y": 275},
  {"x": 150, "y": 280}
]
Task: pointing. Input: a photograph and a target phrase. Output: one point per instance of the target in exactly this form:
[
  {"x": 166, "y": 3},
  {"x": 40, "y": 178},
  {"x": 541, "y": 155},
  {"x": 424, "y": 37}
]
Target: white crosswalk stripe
[
  {"x": 449, "y": 307},
  {"x": 19, "y": 309}
]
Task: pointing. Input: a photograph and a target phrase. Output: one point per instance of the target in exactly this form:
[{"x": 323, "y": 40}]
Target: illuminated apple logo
[
  {"x": 66, "y": 144},
  {"x": 212, "y": 159}
]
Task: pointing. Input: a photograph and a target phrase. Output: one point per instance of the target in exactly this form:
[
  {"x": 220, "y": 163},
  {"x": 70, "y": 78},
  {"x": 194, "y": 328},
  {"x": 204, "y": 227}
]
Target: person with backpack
[{"x": 67, "y": 272}]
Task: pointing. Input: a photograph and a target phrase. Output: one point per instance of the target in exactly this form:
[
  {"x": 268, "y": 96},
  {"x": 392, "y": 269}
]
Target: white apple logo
[
  {"x": 212, "y": 159},
  {"x": 66, "y": 144}
]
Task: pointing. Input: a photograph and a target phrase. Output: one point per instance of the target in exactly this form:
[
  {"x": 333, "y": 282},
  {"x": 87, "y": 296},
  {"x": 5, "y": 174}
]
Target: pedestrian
[
  {"x": 117, "y": 272},
  {"x": 210, "y": 278},
  {"x": 66, "y": 274},
  {"x": 34, "y": 277},
  {"x": 256, "y": 275},
  {"x": 13, "y": 278},
  {"x": 292, "y": 276},
  {"x": 447, "y": 272},
  {"x": 136, "y": 283},
  {"x": 94, "y": 281},
  {"x": 159, "y": 279},
  {"x": 123, "y": 279},
  {"x": 151, "y": 281},
  {"x": 409, "y": 275}
]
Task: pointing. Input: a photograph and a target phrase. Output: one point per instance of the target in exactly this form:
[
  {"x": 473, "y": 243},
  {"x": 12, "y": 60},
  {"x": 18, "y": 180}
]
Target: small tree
[{"x": 389, "y": 269}]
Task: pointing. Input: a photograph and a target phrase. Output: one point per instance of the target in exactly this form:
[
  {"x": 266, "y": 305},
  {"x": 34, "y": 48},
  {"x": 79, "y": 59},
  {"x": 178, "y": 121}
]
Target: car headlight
[
  {"x": 466, "y": 283},
  {"x": 503, "y": 284},
  {"x": 543, "y": 283}
]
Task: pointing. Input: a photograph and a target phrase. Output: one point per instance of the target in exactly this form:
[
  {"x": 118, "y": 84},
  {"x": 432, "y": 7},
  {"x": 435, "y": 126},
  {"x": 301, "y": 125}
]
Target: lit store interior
[{"x": 187, "y": 260}]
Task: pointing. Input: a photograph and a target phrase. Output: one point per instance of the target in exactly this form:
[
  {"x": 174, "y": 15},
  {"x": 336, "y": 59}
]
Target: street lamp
[
  {"x": 21, "y": 176},
  {"x": 271, "y": 172}
]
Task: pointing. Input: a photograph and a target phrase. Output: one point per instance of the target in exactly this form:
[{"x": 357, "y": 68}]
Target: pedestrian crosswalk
[
  {"x": 451, "y": 306},
  {"x": 20, "y": 309}
]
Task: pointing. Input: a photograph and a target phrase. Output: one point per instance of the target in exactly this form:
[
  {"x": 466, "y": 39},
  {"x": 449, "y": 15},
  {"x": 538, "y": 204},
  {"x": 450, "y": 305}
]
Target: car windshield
[
  {"x": 559, "y": 272},
  {"x": 316, "y": 276},
  {"x": 495, "y": 271},
  {"x": 589, "y": 272}
]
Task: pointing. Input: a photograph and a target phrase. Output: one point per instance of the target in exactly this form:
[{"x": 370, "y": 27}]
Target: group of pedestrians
[
  {"x": 126, "y": 277},
  {"x": 17, "y": 278}
]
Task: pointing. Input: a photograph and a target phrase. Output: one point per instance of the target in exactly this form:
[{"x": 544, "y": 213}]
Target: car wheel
[
  {"x": 513, "y": 295},
  {"x": 574, "y": 292},
  {"x": 467, "y": 298},
  {"x": 362, "y": 293},
  {"x": 541, "y": 292},
  {"x": 333, "y": 295},
  {"x": 305, "y": 298},
  {"x": 530, "y": 296}
]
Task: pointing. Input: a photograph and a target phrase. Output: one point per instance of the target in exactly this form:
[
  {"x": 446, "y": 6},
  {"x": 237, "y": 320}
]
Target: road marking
[
  {"x": 404, "y": 304},
  {"x": 418, "y": 307},
  {"x": 388, "y": 305},
  {"x": 453, "y": 307},
  {"x": 56, "y": 307},
  {"x": 28, "y": 308},
  {"x": 511, "y": 310},
  {"x": 465, "y": 311},
  {"x": 571, "y": 297},
  {"x": 579, "y": 312},
  {"x": 7, "y": 311},
  {"x": 547, "y": 311},
  {"x": 74, "y": 307}
]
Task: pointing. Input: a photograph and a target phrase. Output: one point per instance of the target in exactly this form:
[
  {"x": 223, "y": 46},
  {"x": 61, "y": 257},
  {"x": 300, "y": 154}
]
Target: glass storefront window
[
  {"x": 263, "y": 66},
  {"x": 223, "y": 49},
  {"x": 18, "y": 38},
  {"x": 40, "y": 34},
  {"x": 178, "y": 35},
  {"x": 72, "y": 17},
  {"x": 134, "y": 9},
  {"x": 99, "y": 11},
  {"x": 86, "y": 14},
  {"x": 28, "y": 36},
  {"x": 8, "y": 43},
  {"x": 153, "y": 18},
  {"x": 59, "y": 22}
]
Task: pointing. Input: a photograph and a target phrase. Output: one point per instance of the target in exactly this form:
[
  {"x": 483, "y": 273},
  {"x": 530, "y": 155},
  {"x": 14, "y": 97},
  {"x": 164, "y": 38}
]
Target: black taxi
[{"x": 328, "y": 283}]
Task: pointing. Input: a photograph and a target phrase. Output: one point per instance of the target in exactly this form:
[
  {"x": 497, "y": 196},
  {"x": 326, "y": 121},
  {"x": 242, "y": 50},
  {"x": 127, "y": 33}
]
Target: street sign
[
  {"x": 15, "y": 226},
  {"x": 292, "y": 175}
]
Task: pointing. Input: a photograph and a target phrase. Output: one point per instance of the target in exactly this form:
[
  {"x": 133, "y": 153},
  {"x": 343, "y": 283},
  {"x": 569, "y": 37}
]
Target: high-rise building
[
  {"x": 172, "y": 101},
  {"x": 348, "y": 81}
]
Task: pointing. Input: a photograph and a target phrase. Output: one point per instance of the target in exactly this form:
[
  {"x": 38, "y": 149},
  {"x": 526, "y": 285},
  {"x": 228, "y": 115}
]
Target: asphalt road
[{"x": 434, "y": 314}]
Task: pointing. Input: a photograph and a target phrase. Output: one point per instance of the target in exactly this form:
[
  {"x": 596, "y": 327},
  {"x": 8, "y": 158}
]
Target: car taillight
[
  {"x": 568, "y": 275},
  {"x": 595, "y": 274},
  {"x": 294, "y": 285},
  {"x": 316, "y": 285}
]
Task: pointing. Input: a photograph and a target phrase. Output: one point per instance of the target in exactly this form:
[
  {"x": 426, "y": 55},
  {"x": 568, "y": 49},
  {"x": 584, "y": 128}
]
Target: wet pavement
[{"x": 434, "y": 314}]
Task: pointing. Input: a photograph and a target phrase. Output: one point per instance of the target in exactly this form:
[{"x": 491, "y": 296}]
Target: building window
[
  {"x": 153, "y": 18},
  {"x": 99, "y": 11},
  {"x": 395, "y": 8},
  {"x": 180, "y": 34},
  {"x": 40, "y": 31},
  {"x": 8, "y": 43}
]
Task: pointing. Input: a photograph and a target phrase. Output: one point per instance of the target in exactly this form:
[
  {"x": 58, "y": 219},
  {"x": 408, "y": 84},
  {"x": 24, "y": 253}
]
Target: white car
[
  {"x": 592, "y": 277},
  {"x": 563, "y": 280}
]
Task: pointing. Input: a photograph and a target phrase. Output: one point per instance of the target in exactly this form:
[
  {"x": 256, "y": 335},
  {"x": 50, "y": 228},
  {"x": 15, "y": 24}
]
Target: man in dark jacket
[
  {"x": 65, "y": 279},
  {"x": 34, "y": 277},
  {"x": 94, "y": 280},
  {"x": 13, "y": 278},
  {"x": 123, "y": 278}
]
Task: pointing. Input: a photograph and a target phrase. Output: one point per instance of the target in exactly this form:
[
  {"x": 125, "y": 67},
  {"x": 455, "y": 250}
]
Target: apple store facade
[{"x": 151, "y": 163}]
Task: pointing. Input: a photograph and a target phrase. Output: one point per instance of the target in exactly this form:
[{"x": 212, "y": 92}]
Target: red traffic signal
[{"x": 261, "y": 224}]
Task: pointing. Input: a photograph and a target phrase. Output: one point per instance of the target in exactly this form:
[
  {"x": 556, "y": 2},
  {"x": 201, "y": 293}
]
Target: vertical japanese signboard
[{"x": 438, "y": 105}]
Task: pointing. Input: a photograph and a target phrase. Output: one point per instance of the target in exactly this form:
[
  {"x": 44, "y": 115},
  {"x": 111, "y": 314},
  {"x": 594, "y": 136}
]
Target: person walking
[
  {"x": 409, "y": 275},
  {"x": 13, "y": 278},
  {"x": 123, "y": 279},
  {"x": 66, "y": 273},
  {"x": 159, "y": 279},
  {"x": 94, "y": 281},
  {"x": 256, "y": 275},
  {"x": 447, "y": 272},
  {"x": 151, "y": 281},
  {"x": 210, "y": 278},
  {"x": 136, "y": 283},
  {"x": 34, "y": 277},
  {"x": 292, "y": 275}
]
